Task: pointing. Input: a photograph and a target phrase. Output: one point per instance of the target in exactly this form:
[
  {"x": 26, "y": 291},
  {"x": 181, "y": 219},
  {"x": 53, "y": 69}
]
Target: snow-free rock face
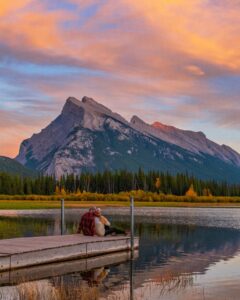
[
  {"x": 195, "y": 142},
  {"x": 88, "y": 136}
]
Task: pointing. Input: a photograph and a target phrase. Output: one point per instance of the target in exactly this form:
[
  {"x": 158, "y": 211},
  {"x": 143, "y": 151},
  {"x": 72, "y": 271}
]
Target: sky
[{"x": 172, "y": 61}]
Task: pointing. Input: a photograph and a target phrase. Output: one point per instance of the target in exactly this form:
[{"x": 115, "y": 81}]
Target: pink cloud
[
  {"x": 165, "y": 50},
  {"x": 15, "y": 127}
]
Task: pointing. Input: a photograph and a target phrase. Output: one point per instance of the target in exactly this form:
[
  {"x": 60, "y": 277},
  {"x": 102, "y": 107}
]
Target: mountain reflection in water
[{"x": 174, "y": 262}]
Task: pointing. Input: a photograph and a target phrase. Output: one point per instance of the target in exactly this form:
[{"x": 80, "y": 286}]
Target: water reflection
[{"x": 174, "y": 262}]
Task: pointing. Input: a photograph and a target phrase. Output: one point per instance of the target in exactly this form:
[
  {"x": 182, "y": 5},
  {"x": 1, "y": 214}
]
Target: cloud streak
[{"x": 177, "y": 59}]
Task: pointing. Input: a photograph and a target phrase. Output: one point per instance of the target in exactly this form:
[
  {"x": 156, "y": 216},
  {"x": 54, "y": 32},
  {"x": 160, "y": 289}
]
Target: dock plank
[
  {"x": 19, "y": 245},
  {"x": 39, "y": 272},
  {"x": 24, "y": 252}
]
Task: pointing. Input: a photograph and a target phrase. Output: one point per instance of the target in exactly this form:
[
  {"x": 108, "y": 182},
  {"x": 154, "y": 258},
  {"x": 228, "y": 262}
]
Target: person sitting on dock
[
  {"x": 99, "y": 223},
  {"x": 87, "y": 223},
  {"x": 103, "y": 226}
]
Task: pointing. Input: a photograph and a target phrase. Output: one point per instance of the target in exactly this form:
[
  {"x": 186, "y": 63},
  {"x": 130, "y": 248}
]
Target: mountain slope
[
  {"x": 11, "y": 166},
  {"x": 195, "y": 142},
  {"x": 87, "y": 136}
]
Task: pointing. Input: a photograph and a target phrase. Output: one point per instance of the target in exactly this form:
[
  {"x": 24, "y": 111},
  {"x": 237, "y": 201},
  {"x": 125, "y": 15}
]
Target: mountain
[
  {"x": 11, "y": 166},
  {"x": 88, "y": 136},
  {"x": 196, "y": 142}
]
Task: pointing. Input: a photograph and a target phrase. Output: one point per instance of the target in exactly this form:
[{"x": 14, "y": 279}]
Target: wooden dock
[
  {"x": 40, "y": 272},
  {"x": 24, "y": 252}
]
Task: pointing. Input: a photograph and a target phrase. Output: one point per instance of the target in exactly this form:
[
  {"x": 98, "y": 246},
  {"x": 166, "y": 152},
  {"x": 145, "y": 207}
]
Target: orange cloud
[
  {"x": 195, "y": 70},
  {"x": 33, "y": 27},
  {"x": 11, "y": 139},
  {"x": 161, "y": 49},
  {"x": 171, "y": 32},
  {"x": 173, "y": 35},
  {"x": 202, "y": 29},
  {"x": 15, "y": 127},
  {"x": 8, "y": 7}
]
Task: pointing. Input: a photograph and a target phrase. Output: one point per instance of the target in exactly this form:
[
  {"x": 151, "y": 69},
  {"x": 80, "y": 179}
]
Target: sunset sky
[{"x": 173, "y": 61}]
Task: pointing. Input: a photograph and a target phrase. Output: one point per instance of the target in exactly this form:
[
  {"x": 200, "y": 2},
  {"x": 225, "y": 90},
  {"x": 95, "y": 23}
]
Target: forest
[{"x": 114, "y": 182}]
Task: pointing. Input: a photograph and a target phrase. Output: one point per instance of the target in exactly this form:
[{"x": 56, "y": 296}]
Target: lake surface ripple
[{"x": 185, "y": 253}]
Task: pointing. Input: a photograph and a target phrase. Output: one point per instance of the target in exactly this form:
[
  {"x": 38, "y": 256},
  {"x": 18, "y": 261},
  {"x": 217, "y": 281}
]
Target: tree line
[{"x": 110, "y": 182}]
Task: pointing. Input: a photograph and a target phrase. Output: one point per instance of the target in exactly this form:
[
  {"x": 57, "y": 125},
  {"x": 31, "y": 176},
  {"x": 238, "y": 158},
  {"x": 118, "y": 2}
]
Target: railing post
[
  {"x": 132, "y": 223},
  {"x": 132, "y": 248},
  {"x": 62, "y": 217},
  {"x": 131, "y": 279}
]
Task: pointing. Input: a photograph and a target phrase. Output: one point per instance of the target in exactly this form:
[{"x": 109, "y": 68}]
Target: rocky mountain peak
[
  {"x": 87, "y": 136},
  {"x": 162, "y": 126},
  {"x": 86, "y": 99},
  {"x": 140, "y": 125},
  {"x": 89, "y": 113},
  {"x": 88, "y": 105},
  {"x": 93, "y": 105},
  {"x": 72, "y": 100},
  {"x": 168, "y": 128},
  {"x": 136, "y": 120}
]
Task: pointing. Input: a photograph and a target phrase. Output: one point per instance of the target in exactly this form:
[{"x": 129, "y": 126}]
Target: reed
[{"x": 43, "y": 290}]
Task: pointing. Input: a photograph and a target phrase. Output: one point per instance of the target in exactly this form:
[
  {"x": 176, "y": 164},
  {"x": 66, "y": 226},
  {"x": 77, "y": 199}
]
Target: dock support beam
[{"x": 62, "y": 218}]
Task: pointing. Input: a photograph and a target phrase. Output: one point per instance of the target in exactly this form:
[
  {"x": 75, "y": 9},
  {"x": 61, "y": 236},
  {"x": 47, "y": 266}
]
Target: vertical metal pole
[
  {"x": 131, "y": 280},
  {"x": 132, "y": 223},
  {"x": 132, "y": 248},
  {"x": 62, "y": 217}
]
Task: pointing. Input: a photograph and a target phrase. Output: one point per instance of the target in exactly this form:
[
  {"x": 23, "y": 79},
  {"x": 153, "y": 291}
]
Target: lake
[{"x": 184, "y": 253}]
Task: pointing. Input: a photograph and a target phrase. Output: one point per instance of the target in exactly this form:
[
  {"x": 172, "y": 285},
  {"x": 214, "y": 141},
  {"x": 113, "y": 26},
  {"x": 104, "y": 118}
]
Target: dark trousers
[{"x": 109, "y": 230}]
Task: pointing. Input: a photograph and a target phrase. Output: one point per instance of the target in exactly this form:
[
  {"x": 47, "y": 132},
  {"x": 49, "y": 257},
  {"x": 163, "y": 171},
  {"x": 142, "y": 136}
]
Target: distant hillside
[{"x": 11, "y": 166}]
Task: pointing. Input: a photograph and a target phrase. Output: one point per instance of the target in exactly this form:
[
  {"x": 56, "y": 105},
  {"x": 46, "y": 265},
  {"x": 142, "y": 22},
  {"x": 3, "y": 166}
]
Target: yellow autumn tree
[
  {"x": 207, "y": 192},
  {"x": 78, "y": 192},
  {"x": 57, "y": 190},
  {"x": 191, "y": 192},
  {"x": 63, "y": 192},
  {"x": 158, "y": 184}
]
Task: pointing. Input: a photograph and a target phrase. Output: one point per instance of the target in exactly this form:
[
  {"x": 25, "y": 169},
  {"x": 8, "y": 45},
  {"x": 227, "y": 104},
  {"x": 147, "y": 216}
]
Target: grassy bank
[
  {"x": 142, "y": 198},
  {"x": 139, "y": 196},
  {"x": 25, "y": 204}
]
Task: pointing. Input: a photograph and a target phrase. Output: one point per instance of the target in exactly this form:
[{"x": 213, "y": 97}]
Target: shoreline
[
  {"x": 111, "y": 210},
  {"x": 55, "y": 205},
  {"x": 46, "y": 204}
]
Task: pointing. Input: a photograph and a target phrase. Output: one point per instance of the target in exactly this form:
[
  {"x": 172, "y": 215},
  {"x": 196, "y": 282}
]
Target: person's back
[{"x": 87, "y": 224}]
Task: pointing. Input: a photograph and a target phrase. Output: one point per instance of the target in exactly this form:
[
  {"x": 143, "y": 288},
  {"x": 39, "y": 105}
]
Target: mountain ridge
[
  {"x": 11, "y": 166},
  {"x": 194, "y": 141},
  {"x": 88, "y": 136}
]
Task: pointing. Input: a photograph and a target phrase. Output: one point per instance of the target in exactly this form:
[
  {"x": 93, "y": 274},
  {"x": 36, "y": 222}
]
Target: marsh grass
[
  {"x": 37, "y": 291},
  {"x": 167, "y": 283},
  {"x": 139, "y": 196},
  {"x": 142, "y": 199}
]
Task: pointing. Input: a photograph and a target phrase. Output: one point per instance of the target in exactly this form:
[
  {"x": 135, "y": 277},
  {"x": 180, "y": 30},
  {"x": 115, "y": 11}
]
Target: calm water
[{"x": 183, "y": 254}]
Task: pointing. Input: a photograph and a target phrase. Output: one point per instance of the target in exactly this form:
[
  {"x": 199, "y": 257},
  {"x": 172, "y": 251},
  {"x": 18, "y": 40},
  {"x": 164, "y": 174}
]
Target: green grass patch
[
  {"x": 26, "y": 204},
  {"x": 86, "y": 199}
]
